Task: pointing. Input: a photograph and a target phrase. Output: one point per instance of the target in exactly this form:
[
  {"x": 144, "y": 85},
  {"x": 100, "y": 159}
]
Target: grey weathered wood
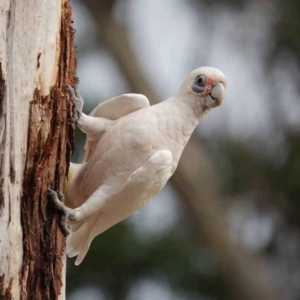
[{"x": 36, "y": 55}]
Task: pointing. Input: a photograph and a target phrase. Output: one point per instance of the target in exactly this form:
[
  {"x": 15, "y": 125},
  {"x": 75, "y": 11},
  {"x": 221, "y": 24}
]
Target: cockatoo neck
[{"x": 191, "y": 106}]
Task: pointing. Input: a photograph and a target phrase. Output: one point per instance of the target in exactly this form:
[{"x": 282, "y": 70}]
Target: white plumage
[{"x": 132, "y": 149}]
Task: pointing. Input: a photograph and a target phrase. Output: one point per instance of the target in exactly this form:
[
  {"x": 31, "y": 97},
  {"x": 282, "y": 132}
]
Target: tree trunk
[{"x": 36, "y": 57}]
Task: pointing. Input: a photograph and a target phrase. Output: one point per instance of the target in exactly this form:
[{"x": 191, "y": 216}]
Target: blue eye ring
[{"x": 199, "y": 84}]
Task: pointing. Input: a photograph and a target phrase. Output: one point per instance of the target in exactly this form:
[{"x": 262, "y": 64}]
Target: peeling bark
[
  {"x": 2, "y": 93},
  {"x": 37, "y": 58},
  {"x": 2, "y": 90}
]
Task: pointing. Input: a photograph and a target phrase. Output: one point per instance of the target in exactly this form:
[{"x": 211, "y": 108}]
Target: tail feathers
[
  {"x": 73, "y": 168},
  {"x": 75, "y": 225},
  {"x": 78, "y": 243},
  {"x": 82, "y": 253}
]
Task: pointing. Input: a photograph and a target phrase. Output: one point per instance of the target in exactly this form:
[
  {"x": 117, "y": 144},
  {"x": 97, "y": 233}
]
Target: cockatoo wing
[
  {"x": 120, "y": 106},
  {"x": 139, "y": 188},
  {"x": 114, "y": 109}
]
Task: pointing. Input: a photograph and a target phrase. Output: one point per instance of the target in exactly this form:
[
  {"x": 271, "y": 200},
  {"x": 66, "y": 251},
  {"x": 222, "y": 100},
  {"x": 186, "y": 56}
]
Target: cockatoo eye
[{"x": 199, "y": 84}]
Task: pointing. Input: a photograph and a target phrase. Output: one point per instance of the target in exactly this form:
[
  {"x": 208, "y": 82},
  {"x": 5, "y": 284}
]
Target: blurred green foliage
[{"x": 118, "y": 259}]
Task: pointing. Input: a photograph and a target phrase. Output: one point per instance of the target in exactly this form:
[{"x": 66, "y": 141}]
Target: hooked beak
[{"x": 215, "y": 97}]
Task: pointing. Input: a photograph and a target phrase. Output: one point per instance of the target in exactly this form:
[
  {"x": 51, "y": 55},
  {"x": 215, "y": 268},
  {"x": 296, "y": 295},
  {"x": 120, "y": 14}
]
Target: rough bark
[{"x": 36, "y": 57}]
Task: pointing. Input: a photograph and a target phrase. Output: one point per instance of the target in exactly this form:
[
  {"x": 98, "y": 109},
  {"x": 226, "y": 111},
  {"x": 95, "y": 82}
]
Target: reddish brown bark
[{"x": 50, "y": 145}]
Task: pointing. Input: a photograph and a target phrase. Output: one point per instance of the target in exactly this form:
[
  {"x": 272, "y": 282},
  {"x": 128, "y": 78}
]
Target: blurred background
[{"x": 227, "y": 224}]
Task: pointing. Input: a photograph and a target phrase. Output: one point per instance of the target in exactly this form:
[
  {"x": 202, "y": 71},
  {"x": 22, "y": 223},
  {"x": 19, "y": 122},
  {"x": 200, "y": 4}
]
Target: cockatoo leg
[
  {"x": 156, "y": 171},
  {"x": 58, "y": 200},
  {"x": 92, "y": 126},
  {"x": 93, "y": 204}
]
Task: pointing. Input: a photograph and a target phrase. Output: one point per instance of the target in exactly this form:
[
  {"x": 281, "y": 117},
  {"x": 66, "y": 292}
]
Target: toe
[{"x": 68, "y": 88}]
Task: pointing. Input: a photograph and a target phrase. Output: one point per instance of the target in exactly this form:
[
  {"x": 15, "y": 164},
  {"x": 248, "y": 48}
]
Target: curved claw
[
  {"x": 58, "y": 199},
  {"x": 72, "y": 120},
  {"x": 76, "y": 79},
  {"x": 68, "y": 88},
  {"x": 77, "y": 100}
]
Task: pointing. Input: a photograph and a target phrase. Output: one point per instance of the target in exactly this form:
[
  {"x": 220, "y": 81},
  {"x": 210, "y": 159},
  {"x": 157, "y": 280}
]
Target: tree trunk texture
[{"x": 37, "y": 56}]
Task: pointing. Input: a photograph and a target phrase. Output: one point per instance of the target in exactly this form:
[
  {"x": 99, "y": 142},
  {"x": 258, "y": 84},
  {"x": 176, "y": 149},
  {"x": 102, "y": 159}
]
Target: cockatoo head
[{"x": 206, "y": 85}]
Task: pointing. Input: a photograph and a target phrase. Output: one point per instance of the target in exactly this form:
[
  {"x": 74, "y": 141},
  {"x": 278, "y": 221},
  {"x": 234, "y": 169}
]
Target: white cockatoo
[{"x": 132, "y": 149}]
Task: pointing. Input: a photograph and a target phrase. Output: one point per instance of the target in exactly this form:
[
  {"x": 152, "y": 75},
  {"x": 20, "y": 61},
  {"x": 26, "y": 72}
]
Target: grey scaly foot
[
  {"x": 63, "y": 218},
  {"x": 76, "y": 98},
  {"x": 58, "y": 200}
]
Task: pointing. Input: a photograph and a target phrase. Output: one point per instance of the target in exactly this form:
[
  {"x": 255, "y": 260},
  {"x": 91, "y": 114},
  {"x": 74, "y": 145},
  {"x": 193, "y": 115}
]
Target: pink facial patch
[{"x": 208, "y": 86}]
